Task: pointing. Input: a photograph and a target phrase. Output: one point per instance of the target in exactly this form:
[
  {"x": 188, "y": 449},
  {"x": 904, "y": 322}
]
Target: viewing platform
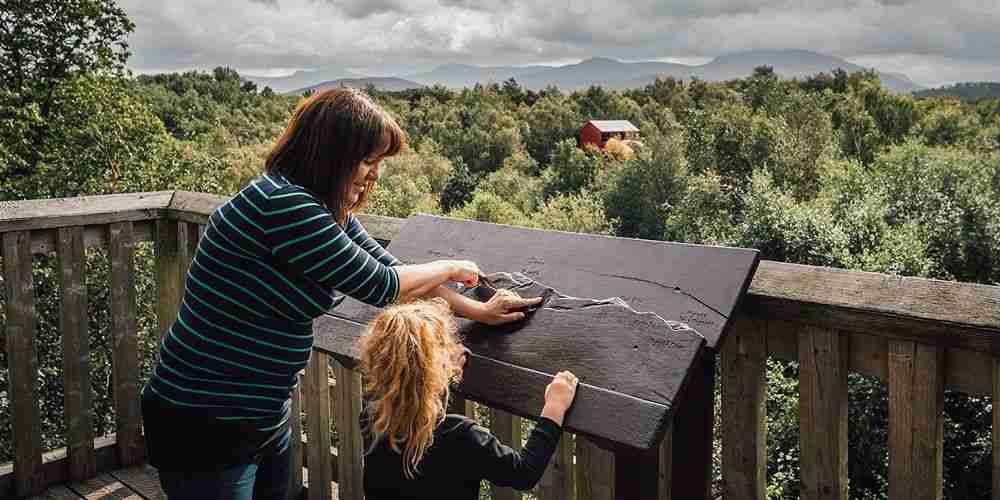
[{"x": 920, "y": 337}]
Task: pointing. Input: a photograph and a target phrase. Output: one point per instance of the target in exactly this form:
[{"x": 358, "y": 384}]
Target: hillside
[
  {"x": 389, "y": 84},
  {"x": 616, "y": 74},
  {"x": 967, "y": 91}
]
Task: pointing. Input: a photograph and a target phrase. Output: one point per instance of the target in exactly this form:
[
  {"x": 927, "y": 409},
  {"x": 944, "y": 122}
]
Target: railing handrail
[
  {"x": 944, "y": 313},
  {"x": 918, "y": 335}
]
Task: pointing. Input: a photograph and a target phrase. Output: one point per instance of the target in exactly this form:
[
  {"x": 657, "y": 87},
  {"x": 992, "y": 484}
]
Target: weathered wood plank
[
  {"x": 916, "y": 417},
  {"x": 694, "y": 284},
  {"x": 22, "y": 362},
  {"x": 168, "y": 266},
  {"x": 58, "y": 492},
  {"x": 966, "y": 370},
  {"x": 744, "y": 394},
  {"x": 44, "y": 241},
  {"x": 507, "y": 428},
  {"x": 637, "y": 423},
  {"x": 82, "y": 210},
  {"x": 605, "y": 342},
  {"x": 559, "y": 480},
  {"x": 318, "y": 419},
  {"x": 194, "y": 207},
  {"x": 595, "y": 471},
  {"x": 73, "y": 323},
  {"x": 693, "y": 430},
  {"x": 351, "y": 447},
  {"x": 141, "y": 479},
  {"x": 928, "y": 422},
  {"x": 125, "y": 352},
  {"x": 381, "y": 228},
  {"x": 55, "y": 466},
  {"x": 104, "y": 487},
  {"x": 945, "y": 313},
  {"x": 188, "y": 235},
  {"x": 295, "y": 488},
  {"x": 823, "y": 357}
]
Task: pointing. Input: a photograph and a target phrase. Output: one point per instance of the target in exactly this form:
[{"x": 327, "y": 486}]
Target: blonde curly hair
[{"x": 410, "y": 355}]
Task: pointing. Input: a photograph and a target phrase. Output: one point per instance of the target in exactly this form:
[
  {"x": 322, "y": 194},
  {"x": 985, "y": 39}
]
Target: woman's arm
[
  {"x": 357, "y": 232},
  {"x": 423, "y": 280}
]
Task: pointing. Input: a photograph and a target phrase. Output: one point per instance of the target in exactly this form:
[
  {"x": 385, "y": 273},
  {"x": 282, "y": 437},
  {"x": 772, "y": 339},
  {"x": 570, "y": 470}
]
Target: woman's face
[{"x": 366, "y": 173}]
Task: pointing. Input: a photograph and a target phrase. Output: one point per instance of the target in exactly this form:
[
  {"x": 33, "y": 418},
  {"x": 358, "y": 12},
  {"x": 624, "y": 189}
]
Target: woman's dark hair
[{"x": 329, "y": 135}]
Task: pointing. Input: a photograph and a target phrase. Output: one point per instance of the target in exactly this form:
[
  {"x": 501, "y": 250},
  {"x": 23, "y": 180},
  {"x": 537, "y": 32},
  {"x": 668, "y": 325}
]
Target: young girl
[{"x": 411, "y": 355}]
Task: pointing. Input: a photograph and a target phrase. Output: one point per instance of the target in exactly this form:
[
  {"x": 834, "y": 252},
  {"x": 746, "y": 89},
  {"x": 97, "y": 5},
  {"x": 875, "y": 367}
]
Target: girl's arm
[
  {"x": 504, "y": 466},
  {"x": 504, "y": 307}
]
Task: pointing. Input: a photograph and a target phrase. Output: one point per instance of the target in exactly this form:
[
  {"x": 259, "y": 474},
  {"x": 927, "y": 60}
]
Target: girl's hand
[
  {"x": 559, "y": 396},
  {"x": 504, "y": 307}
]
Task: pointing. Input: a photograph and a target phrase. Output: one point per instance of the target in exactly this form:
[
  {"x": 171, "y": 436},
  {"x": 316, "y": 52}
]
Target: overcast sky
[{"x": 932, "y": 41}]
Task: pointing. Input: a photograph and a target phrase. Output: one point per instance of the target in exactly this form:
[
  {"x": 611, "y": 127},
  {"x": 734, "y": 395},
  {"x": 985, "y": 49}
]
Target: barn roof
[{"x": 614, "y": 125}]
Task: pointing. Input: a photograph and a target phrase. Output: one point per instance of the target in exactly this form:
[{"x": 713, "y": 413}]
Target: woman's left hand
[{"x": 504, "y": 307}]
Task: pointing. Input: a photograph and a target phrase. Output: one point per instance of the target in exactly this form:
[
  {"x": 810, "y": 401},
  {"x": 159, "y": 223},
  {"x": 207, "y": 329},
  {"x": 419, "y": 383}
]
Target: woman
[
  {"x": 216, "y": 408},
  {"x": 410, "y": 356}
]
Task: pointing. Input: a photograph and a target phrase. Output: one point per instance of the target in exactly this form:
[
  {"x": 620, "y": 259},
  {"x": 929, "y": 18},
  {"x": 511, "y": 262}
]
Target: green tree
[
  {"x": 489, "y": 207},
  {"x": 578, "y": 213},
  {"x": 648, "y": 187},
  {"x": 550, "y": 119},
  {"x": 571, "y": 168},
  {"x": 44, "y": 44}
]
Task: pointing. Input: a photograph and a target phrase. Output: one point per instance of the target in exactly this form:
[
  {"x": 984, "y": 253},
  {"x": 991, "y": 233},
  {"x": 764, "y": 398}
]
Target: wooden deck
[{"x": 134, "y": 483}]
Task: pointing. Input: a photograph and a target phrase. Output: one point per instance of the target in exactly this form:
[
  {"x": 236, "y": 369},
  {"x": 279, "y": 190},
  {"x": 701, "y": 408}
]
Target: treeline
[
  {"x": 966, "y": 91},
  {"x": 830, "y": 170}
]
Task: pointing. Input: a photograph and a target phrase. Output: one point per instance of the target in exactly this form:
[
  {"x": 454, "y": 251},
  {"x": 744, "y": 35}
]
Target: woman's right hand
[
  {"x": 559, "y": 396},
  {"x": 465, "y": 272}
]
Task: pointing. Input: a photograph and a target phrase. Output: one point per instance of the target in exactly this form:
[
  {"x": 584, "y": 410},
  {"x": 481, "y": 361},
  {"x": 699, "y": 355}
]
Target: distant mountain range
[
  {"x": 606, "y": 72},
  {"x": 390, "y": 84},
  {"x": 969, "y": 91}
]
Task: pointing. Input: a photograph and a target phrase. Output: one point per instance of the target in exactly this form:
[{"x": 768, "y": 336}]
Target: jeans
[{"x": 266, "y": 478}]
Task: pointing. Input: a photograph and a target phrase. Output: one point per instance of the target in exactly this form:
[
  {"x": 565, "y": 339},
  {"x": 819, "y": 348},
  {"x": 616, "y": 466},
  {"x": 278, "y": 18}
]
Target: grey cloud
[
  {"x": 360, "y": 9},
  {"x": 959, "y": 36}
]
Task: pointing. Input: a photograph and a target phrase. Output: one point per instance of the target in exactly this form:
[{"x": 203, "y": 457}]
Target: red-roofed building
[{"x": 598, "y": 132}]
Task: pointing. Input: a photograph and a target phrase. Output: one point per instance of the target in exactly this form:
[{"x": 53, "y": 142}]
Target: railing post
[
  {"x": 350, "y": 450},
  {"x": 318, "y": 427},
  {"x": 558, "y": 480},
  {"x": 637, "y": 475},
  {"x": 916, "y": 420},
  {"x": 744, "y": 394},
  {"x": 295, "y": 443},
  {"x": 693, "y": 430},
  {"x": 823, "y": 361},
  {"x": 76, "y": 354},
  {"x": 125, "y": 356},
  {"x": 22, "y": 362},
  {"x": 666, "y": 469},
  {"x": 595, "y": 471},
  {"x": 168, "y": 286}
]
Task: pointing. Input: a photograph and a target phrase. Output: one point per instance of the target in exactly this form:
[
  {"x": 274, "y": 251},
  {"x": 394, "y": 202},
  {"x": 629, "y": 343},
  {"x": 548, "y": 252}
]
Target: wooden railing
[{"x": 920, "y": 336}]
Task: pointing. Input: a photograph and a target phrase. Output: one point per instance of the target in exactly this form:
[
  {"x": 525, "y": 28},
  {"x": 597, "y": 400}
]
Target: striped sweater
[{"x": 268, "y": 263}]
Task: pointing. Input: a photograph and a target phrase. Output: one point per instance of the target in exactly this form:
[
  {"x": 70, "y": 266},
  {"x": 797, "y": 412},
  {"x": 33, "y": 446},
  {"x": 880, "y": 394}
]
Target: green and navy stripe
[{"x": 269, "y": 262}]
